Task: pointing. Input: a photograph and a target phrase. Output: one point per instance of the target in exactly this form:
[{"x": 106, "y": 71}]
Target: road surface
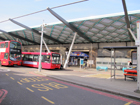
[{"x": 23, "y": 86}]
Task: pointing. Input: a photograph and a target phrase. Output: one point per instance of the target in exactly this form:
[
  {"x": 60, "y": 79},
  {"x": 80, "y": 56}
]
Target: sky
[{"x": 15, "y": 8}]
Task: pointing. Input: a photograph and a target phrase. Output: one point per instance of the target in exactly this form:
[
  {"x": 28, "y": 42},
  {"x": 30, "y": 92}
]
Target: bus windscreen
[
  {"x": 55, "y": 58},
  {"x": 15, "y": 51}
]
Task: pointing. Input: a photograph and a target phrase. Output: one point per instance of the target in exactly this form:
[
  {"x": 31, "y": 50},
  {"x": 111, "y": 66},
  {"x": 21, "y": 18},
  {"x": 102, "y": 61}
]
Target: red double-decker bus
[
  {"x": 10, "y": 53},
  {"x": 48, "y": 60}
]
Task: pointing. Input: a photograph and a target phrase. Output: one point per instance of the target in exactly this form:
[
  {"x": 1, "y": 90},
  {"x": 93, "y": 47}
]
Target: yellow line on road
[
  {"x": 12, "y": 78},
  {"x": 29, "y": 89},
  {"x": 7, "y": 74},
  {"x": 48, "y": 100},
  {"x": 128, "y": 103},
  {"x": 19, "y": 83}
]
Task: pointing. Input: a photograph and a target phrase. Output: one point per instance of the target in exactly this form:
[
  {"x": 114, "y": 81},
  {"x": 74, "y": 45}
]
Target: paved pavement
[{"x": 99, "y": 80}]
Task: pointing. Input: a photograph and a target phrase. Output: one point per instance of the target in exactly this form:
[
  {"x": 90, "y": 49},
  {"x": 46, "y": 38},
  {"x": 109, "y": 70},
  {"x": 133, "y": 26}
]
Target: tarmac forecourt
[
  {"x": 99, "y": 80},
  {"x": 40, "y": 83},
  {"x": 91, "y": 89}
]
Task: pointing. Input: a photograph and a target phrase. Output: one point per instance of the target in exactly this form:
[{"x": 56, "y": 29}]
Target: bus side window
[
  {"x": 30, "y": 58},
  {"x": 6, "y": 56},
  {"x": 35, "y": 58},
  {"x": 25, "y": 58},
  {"x": 22, "y": 56},
  {"x": 42, "y": 59},
  {"x": 46, "y": 58}
]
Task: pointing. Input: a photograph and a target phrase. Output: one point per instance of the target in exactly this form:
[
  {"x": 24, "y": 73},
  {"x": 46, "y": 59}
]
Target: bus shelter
[{"x": 113, "y": 58}]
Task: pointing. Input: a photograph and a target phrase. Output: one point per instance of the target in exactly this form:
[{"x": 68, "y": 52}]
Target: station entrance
[{"x": 75, "y": 57}]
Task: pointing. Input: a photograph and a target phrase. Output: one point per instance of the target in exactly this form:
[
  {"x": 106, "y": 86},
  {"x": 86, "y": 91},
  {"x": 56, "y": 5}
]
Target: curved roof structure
[{"x": 94, "y": 29}]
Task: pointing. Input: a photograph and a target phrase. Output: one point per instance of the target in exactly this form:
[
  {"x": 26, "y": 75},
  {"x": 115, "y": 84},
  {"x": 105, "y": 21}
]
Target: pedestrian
[
  {"x": 84, "y": 65},
  {"x": 130, "y": 63}
]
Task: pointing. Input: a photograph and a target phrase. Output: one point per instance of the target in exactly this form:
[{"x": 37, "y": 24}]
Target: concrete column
[
  {"x": 93, "y": 56},
  {"x": 62, "y": 52}
]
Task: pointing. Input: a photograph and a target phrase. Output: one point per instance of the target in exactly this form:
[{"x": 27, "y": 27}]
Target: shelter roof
[{"x": 98, "y": 29}]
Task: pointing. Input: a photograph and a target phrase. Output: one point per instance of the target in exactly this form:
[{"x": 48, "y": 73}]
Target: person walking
[{"x": 84, "y": 65}]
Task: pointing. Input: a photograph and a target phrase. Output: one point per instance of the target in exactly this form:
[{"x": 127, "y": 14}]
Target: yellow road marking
[
  {"x": 19, "y": 83},
  {"x": 128, "y": 103},
  {"x": 99, "y": 76},
  {"x": 47, "y": 100},
  {"x": 7, "y": 74},
  {"x": 12, "y": 78},
  {"x": 29, "y": 89}
]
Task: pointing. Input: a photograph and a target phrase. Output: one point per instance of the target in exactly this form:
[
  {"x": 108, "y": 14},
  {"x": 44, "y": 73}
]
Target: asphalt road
[{"x": 22, "y": 86}]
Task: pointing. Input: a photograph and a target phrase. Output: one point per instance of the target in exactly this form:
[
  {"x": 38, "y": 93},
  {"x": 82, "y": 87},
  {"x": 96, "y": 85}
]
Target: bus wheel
[{"x": 61, "y": 67}]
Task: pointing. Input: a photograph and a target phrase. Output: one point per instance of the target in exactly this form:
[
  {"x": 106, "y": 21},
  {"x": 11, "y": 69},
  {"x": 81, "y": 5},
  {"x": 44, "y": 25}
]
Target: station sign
[{"x": 78, "y": 54}]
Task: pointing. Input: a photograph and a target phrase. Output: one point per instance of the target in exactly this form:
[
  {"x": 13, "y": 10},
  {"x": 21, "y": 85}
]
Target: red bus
[
  {"x": 10, "y": 53},
  {"x": 48, "y": 60}
]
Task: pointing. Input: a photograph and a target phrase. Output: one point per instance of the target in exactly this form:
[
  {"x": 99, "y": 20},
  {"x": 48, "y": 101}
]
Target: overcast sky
[{"x": 15, "y": 8}]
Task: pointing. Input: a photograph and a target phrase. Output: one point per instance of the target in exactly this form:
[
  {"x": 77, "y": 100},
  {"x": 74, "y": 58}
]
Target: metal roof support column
[
  {"x": 46, "y": 46},
  {"x": 35, "y": 31},
  {"x": 14, "y": 35},
  {"x": 66, "y": 62},
  {"x": 73, "y": 28},
  {"x": 126, "y": 18},
  {"x": 132, "y": 34}
]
